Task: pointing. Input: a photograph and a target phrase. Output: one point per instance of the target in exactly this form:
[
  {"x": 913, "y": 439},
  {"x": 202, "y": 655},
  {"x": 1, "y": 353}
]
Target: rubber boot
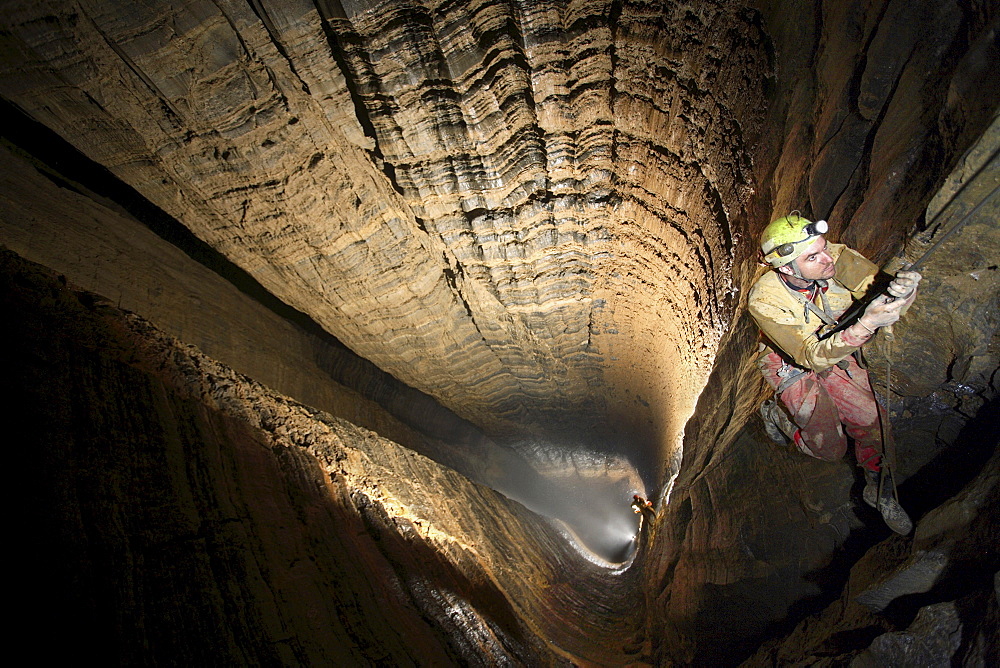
[
  {"x": 777, "y": 424},
  {"x": 892, "y": 513}
]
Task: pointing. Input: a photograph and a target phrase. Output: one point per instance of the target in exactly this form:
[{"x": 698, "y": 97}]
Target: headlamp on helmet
[{"x": 786, "y": 238}]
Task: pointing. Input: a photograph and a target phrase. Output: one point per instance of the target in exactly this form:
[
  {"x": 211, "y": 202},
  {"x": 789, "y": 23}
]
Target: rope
[
  {"x": 888, "y": 446},
  {"x": 954, "y": 196},
  {"x": 848, "y": 318},
  {"x": 916, "y": 265}
]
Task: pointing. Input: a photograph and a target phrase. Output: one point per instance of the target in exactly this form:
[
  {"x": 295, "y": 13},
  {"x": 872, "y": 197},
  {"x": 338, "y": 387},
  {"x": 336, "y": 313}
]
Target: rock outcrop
[{"x": 930, "y": 602}]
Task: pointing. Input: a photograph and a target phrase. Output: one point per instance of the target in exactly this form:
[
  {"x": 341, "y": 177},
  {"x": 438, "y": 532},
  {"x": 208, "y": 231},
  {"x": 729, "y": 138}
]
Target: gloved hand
[
  {"x": 904, "y": 284},
  {"x": 881, "y": 312}
]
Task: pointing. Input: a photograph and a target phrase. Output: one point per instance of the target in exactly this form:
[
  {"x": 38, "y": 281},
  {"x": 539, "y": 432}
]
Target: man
[
  {"x": 641, "y": 505},
  {"x": 810, "y": 365}
]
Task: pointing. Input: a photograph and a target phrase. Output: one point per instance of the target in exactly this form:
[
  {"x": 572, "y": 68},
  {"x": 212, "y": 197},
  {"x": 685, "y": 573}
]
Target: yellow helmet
[{"x": 786, "y": 238}]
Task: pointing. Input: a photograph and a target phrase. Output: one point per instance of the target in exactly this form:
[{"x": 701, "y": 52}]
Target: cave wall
[
  {"x": 543, "y": 214},
  {"x": 80, "y": 234},
  {"x": 509, "y": 206},
  {"x": 107, "y": 240},
  {"x": 175, "y": 510},
  {"x": 731, "y": 580},
  {"x": 50, "y": 217}
]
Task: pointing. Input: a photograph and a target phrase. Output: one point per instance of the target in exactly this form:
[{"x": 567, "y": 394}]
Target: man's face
[{"x": 815, "y": 263}]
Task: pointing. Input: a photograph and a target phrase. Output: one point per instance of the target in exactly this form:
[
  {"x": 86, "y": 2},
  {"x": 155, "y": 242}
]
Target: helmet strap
[{"x": 798, "y": 275}]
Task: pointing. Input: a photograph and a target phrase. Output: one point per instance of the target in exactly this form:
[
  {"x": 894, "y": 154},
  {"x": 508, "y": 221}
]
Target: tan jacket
[{"x": 783, "y": 321}]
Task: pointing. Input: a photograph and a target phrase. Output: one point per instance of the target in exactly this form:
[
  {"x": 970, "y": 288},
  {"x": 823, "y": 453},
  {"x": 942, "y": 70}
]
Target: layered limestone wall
[
  {"x": 523, "y": 209},
  {"x": 50, "y": 217},
  {"x": 80, "y": 234},
  {"x": 178, "y": 511},
  {"x": 542, "y": 215}
]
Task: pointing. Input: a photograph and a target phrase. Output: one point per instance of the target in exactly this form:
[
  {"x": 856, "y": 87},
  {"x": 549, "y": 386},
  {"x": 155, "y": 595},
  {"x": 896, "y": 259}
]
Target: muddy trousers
[{"x": 824, "y": 405}]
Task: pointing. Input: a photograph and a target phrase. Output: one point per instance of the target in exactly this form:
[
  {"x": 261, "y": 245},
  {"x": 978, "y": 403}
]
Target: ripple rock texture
[
  {"x": 515, "y": 237},
  {"x": 485, "y": 200}
]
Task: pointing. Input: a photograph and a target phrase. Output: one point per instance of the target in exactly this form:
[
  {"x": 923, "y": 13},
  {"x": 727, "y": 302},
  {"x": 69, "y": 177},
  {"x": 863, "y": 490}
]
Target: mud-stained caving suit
[{"x": 816, "y": 376}]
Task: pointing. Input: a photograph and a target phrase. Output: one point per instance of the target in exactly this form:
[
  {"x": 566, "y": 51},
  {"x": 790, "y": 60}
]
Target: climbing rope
[
  {"x": 916, "y": 265},
  {"x": 919, "y": 263},
  {"x": 888, "y": 461}
]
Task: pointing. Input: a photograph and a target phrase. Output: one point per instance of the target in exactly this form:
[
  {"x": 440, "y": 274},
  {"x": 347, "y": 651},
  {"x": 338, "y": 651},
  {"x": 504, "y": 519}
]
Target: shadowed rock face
[
  {"x": 540, "y": 215},
  {"x": 179, "y": 511}
]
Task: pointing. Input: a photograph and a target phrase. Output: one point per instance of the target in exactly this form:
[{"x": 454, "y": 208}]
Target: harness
[
  {"x": 810, "y": 305},
  {"x": 789, "y": 373}
]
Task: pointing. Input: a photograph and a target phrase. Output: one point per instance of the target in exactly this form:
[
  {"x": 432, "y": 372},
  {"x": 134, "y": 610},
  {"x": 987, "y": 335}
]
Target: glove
[
  {"x": 881, "y": 312},
  {"x": 904, "y": 284}
]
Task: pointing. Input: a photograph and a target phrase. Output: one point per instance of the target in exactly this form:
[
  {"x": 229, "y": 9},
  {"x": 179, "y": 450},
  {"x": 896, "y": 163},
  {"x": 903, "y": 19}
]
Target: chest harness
[{"x": 790, "y": 373}]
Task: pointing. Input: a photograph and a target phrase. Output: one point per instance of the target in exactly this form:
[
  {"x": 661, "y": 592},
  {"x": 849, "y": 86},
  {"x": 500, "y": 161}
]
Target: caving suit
[{"x": 817, "y": 376}]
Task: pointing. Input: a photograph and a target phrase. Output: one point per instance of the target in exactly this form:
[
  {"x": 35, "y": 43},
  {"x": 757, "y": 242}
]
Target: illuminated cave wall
[
  {"x": 525, "y": 210},
  {"x": 540, "y": 214}
]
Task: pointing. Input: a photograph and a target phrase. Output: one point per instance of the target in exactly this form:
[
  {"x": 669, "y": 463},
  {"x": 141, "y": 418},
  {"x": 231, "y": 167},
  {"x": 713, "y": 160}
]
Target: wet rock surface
[{"x": 929, "y": 601}]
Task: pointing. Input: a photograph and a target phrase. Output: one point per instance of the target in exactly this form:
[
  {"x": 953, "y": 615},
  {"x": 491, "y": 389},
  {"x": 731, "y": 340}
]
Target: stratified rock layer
[
  {"x": 542, "y": 214},
  {"x": 176, "y": 510},
  {"x": 65, "y": 226},
  {"x": 509, "y": 206},
  {"x": 51, "y": 218}
]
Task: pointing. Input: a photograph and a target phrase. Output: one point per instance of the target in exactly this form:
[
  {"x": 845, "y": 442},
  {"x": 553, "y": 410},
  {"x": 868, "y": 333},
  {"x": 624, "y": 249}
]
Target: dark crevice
[
  {"x": 449, "y": 276},
  {"x": 614, "y": 16},
  {"x": 272, "y": 32},
  {"x": 334, "y": 41}
]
